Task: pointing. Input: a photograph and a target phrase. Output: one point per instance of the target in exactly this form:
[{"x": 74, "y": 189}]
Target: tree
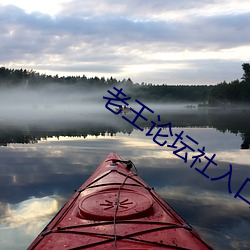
[{"x": 246, "y": 75}]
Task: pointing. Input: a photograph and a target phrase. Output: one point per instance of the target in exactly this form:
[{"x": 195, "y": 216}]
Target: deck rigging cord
[{"x": 129, "y": 165}]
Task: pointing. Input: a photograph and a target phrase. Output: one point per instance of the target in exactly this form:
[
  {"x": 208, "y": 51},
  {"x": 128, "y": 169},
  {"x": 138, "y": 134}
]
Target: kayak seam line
[
  {"x": 129, "y": 237},
  {"x": 62, "y": 230},
  {"x": 110, "y": 184},
  {"x": 120, "y": 222}
]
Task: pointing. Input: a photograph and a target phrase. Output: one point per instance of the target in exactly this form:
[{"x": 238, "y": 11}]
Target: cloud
[
  {"x": 115, "y": 30},
  {"x": 124, "y": 40},
  {"x": 149, "y": 9}
]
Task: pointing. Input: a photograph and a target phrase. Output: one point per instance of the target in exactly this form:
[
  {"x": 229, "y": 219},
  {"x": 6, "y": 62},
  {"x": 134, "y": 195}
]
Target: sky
[{"x": 152, "y": 41}]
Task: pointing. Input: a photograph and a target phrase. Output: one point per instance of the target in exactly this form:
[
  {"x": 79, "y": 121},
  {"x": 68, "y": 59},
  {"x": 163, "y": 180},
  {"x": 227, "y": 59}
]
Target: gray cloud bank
[{"x": 125, "y": 40}]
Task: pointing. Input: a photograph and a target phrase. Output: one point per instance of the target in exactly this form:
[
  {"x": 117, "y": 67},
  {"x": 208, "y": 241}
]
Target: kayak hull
[{"x": 116, "y": 209}]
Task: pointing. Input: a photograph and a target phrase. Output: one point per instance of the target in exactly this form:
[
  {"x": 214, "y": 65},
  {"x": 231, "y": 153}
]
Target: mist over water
[
  {"x": 61, "y": 103},
  {"x": 48, "y": 103},
  {"x": 29, "y": 114}
]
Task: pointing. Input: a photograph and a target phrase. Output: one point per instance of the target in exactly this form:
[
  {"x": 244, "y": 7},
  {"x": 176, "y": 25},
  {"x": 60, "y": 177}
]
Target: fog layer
[{"x": 53, "y": 103}]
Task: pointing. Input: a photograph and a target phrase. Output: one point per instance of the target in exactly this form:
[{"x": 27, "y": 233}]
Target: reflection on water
[
  {"x": 22, "y": 220},
  {"x": 103, "y": 122},
  {"x": 36, "y": 179}
]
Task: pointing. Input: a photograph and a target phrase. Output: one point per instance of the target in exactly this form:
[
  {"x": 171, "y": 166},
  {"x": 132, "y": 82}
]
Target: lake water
[{"x": 44, "y": 158}]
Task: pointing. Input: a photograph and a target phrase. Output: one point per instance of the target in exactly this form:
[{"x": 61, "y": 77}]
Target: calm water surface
[{"x": 42, "y": 163}]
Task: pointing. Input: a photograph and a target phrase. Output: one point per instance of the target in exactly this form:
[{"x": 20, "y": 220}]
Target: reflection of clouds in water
[
  {"x": 226, "y": 202},
  {"x": 213, "y": 140},
  {"x": 46, "y": 159},
  {"x": 222, "y": 241},
  {"x": 28, "y": 212},
  {"x": 51, "y": 158},
  {"x": 2, "y": 209},
  {"x": 143, "y": 143},
  {"x": 232, "y": 157},
  {"x": 22, "y": 222},
  {"x": 235, "y": 156}
]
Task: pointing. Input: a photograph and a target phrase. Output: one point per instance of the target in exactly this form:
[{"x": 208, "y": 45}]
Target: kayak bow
[{"x": 116, "y": 209}]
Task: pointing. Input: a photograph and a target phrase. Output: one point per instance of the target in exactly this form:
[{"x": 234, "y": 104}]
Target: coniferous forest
[{"x": 225, "y": 93}]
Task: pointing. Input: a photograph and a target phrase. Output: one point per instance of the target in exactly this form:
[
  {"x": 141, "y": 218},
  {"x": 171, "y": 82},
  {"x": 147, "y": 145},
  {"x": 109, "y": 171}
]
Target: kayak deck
[{"x": 116, "y": 209}]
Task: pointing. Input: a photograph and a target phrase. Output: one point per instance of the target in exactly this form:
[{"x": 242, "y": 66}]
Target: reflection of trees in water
[
  {"x": 234, "y": 121},
  {"x": 33, "y": 134},
  {"x": 16, "y": 137}
]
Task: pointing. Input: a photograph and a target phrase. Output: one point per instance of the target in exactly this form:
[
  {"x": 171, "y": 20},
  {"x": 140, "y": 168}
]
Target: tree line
[{"x": 236, "y": 91}]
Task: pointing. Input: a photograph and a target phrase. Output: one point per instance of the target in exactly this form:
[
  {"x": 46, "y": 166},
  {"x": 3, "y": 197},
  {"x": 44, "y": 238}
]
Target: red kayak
[{"x": 116, "y": 209}]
